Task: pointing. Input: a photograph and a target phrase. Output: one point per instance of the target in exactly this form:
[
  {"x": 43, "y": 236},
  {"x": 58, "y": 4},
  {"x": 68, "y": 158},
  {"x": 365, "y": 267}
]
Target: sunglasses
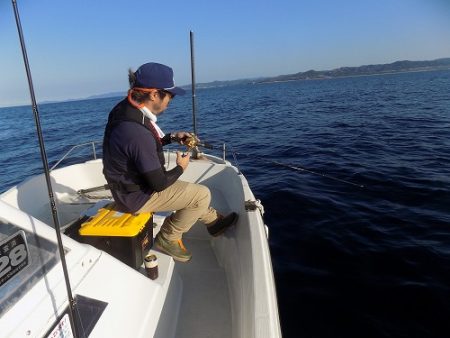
[{"x": 163, "y": 93}]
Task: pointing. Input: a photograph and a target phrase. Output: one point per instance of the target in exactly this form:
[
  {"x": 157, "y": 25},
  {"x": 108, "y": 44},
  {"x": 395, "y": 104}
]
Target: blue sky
[{"x": 82, "y": 48}]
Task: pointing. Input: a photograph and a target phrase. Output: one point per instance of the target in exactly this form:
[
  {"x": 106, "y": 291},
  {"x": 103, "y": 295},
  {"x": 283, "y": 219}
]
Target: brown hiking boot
[
  {"x": 222, "y": 223},
  {"x": 176, "y": 249}
]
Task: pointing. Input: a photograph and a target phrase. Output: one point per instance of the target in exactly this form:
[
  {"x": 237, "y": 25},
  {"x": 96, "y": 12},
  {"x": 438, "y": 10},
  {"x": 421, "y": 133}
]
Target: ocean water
[{"x": 348, "y": 261}]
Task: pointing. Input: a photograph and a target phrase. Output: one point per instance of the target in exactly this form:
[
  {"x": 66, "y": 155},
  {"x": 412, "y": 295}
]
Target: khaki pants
[{"x": 189, "y": 201}]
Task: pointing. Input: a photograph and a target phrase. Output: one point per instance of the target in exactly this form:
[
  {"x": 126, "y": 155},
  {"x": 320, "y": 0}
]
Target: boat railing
[
  {"x": 224, "y": 151},
  {"x": 233, "y": 153},
  {"x": 91, "y": 143}
]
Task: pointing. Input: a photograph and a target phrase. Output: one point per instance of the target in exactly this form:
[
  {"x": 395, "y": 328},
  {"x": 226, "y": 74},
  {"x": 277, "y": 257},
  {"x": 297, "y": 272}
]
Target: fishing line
[
  {"x": 284, "y": 165},
  {"x": 299, "y": 169}
]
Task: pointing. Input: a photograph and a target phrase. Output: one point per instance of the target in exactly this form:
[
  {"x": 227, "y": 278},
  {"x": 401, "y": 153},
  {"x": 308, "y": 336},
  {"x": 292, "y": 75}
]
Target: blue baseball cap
[{"x": 156, "y": 75}]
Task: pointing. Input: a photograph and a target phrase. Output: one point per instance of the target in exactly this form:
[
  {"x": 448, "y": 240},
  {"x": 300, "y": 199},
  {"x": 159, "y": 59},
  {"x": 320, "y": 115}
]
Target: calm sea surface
[{"x": 348, "y": 261}]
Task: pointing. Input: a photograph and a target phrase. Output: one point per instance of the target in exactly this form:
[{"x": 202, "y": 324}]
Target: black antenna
[{"x": 46, "y": 169}]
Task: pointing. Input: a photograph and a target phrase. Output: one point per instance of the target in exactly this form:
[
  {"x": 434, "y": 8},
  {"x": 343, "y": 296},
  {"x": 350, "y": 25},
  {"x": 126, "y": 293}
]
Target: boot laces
[{"x": 180, "y": 243}]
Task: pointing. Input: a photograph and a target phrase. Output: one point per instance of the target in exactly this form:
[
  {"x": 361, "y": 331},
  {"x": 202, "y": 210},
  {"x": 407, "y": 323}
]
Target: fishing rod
[
  {"x": 72, "y": 305},
  {"x": 299, "y": 168},
  {"x": 194, "y": 119},
  {"x": 195, "y": 150}
]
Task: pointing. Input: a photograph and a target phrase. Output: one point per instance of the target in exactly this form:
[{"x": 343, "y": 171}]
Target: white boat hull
[{"x": 227, "y": 290}]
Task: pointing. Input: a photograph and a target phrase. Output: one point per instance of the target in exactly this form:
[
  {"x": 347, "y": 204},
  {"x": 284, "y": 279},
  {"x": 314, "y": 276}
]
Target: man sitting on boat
[{"x": 134, "y": 163}]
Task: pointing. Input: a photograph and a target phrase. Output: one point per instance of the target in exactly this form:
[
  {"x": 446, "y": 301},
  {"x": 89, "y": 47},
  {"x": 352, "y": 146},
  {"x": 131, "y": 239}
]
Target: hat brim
[{"x": 176, "y": 91}]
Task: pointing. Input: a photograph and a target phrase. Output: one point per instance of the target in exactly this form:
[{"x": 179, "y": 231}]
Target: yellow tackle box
[{"x": 125, "y": 236}]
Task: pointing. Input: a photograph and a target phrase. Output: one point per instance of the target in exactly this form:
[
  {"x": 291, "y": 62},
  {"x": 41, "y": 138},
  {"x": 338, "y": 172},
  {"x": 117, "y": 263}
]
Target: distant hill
[{"x": 395, "y": 67}]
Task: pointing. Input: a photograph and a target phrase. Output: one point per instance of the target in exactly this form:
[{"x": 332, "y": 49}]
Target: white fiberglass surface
[{"x": 24, "y": 259}]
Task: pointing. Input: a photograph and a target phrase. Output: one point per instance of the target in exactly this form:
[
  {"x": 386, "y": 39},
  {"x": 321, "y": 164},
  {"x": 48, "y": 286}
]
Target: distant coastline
[{"x": 366, "y": 70}]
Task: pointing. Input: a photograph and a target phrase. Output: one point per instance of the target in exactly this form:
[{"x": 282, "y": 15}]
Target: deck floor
[{"x": 205, "y": 306}]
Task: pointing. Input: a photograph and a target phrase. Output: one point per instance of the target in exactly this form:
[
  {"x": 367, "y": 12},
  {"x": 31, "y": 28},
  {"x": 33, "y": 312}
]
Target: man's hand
[
  {"x": 180, "y": 136},
  {"x": 183, "y": 159}
]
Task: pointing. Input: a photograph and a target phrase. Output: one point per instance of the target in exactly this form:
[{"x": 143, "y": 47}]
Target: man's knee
[{"x": 204, "y": 195}]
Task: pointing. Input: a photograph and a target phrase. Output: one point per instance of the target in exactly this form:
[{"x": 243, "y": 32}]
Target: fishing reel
[{"x": 194, "y": 142}]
